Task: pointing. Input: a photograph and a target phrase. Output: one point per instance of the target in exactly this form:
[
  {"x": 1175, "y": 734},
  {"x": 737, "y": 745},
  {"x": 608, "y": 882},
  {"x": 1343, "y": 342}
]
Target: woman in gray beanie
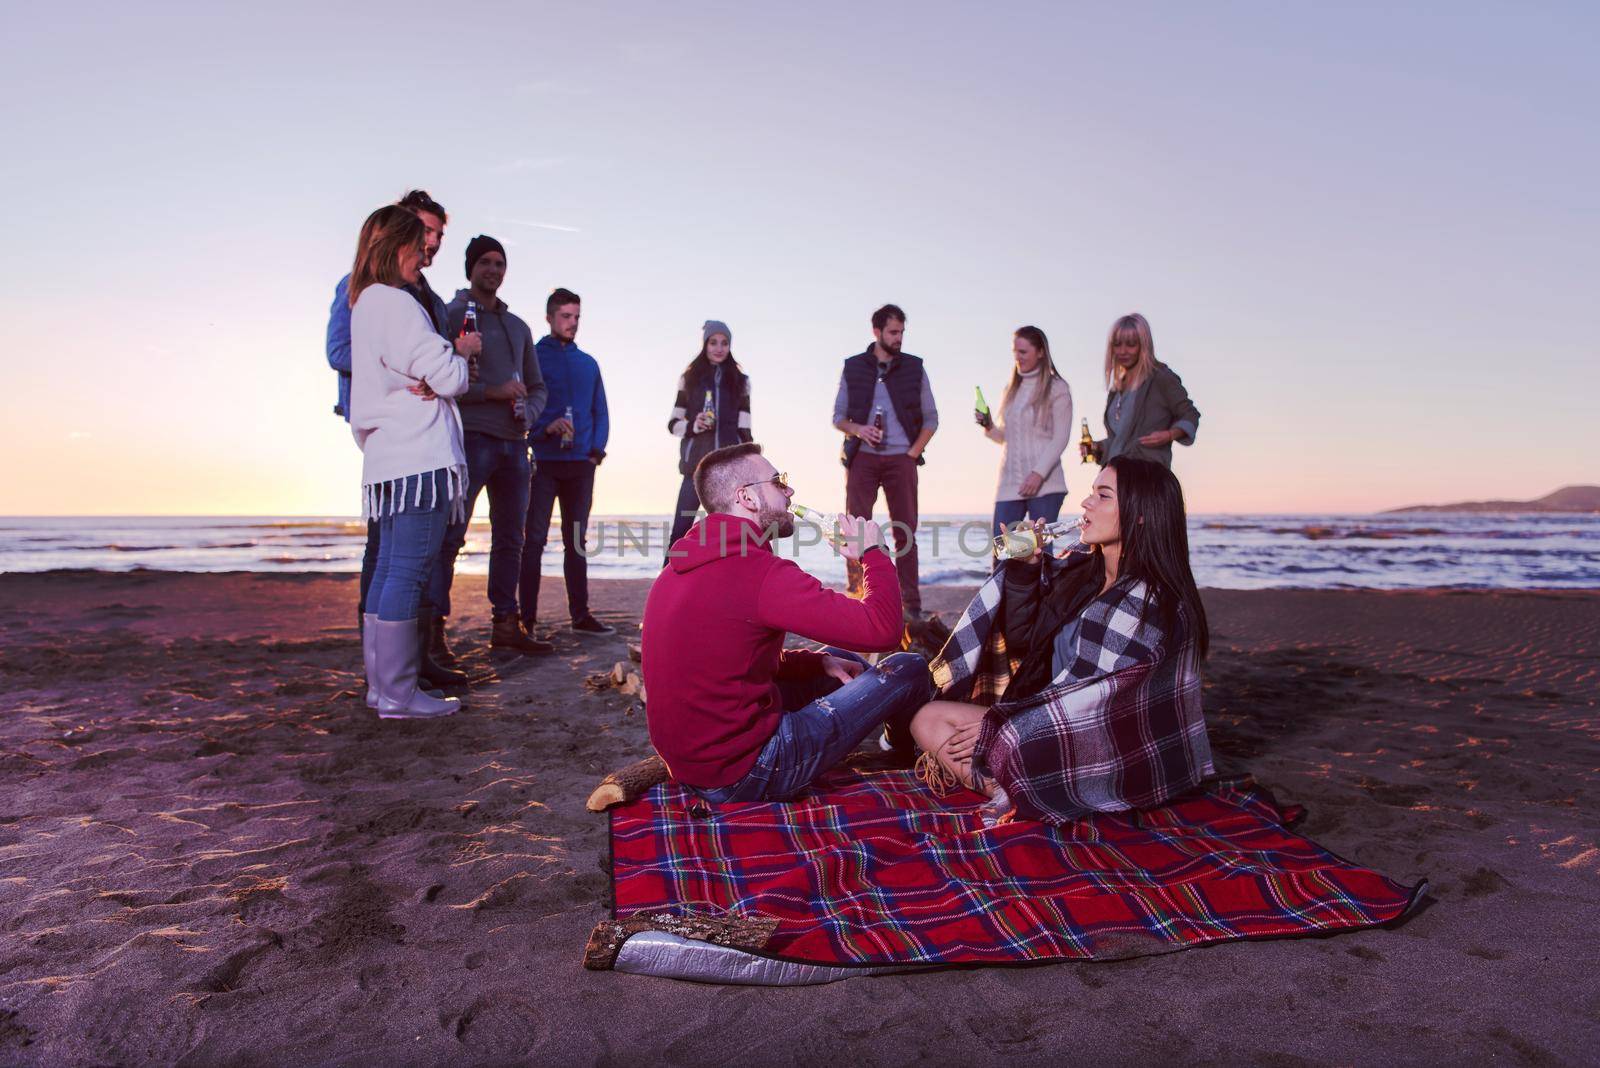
[{"x": 712, "y": 410}]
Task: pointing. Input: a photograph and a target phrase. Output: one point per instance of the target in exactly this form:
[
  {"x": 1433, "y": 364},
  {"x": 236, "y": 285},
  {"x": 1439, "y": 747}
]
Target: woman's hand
[
  {"x": 961, "y": 744},
  {"x": 837, "y": 667},
  {"x": 423, "y": 390},
  {"x": 469, "y": 345},
  {"x": 1157, "y": 438},
  {"x": 1031, "y": 484},
  {"x": 983, "y": 419},
  {"x": 1038, "y": 547},
  {"x": 703, "y": 422}
]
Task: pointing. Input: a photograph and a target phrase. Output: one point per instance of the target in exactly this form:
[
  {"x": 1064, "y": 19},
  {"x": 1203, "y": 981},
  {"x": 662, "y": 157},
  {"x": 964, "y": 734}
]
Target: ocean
[{"x": 1392, "y": 551}]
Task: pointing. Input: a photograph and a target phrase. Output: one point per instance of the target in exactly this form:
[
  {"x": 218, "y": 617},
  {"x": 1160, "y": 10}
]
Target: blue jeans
[
  {"x": 369, "y": 563},
  {"x": 824, "y": 720},
  {"x": 408, "y": 546},
  {"x": 369, "y": 567},
  {"x": 572, "y": 483},
  {"x": 501, "y": 467},
  {"x": 1046, "y": 506}
]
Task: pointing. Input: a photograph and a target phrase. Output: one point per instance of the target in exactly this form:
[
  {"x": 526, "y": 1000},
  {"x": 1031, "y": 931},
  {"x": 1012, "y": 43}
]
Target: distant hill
[{"x": 1565, "y": 499}]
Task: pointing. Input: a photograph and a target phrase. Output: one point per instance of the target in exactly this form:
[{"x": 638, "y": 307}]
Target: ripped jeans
[{"x": 817, "y": 734}]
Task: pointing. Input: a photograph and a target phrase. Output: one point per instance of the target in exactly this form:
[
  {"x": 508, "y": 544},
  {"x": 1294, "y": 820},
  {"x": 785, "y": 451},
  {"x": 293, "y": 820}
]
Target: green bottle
[{"x": 982, "y": 405}]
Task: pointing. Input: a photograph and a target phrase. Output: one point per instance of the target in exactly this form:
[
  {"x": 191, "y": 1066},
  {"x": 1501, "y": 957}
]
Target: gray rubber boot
[
  {"x": 398, "y": 656},
  {"x": 369, "y": 657}
]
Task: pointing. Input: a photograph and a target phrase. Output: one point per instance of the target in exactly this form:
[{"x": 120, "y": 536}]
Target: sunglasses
[{"x": 781, "y": 479}]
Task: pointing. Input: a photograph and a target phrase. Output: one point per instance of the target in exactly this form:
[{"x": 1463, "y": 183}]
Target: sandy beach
[{"x": 212, "y": 853}]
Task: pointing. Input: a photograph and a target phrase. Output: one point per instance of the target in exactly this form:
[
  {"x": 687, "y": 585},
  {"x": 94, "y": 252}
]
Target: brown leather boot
[
  {"x": 431, "y": 669},
  {"x": 508, "y": 634},
  {"x": 438, "y": 649}
]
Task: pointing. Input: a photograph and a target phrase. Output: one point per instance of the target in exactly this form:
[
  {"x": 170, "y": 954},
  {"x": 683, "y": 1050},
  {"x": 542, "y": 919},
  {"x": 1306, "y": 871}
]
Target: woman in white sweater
[
  {"x": 1035, "y": 428},
  {"x": 413, "y": 472}
]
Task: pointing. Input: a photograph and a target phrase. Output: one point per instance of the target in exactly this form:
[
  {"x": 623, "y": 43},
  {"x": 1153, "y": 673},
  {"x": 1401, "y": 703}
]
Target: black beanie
[{"x": 478, "y": 246}]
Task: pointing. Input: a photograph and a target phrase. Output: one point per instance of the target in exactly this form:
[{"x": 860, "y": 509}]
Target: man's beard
[{"x": 779, "y": 521}]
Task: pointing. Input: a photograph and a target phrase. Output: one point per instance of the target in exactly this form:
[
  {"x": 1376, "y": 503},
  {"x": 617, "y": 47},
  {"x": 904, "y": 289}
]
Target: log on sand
[
  {"x": 741, "y": 932},
  {"x": 625, "y": 785}
]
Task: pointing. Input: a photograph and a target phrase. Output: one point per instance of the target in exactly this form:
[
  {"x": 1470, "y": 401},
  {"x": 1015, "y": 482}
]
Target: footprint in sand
[{"x": 499, "y": 1026}]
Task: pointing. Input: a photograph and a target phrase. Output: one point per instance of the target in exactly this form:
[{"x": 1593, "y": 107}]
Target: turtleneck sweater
[{"x": 1033, "y": 441}]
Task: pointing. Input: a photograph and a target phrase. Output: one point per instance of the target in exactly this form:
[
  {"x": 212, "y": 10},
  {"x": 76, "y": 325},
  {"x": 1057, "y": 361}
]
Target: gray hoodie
[{"x": 507, "y": 348}]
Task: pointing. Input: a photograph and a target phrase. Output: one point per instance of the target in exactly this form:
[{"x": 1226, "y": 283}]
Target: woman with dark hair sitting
[
  {"x": 1072, "y": 683},
  {"x": 712, "y": 410}
]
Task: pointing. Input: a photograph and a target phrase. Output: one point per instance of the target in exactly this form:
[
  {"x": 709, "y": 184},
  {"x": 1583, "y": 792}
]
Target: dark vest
[{"x": 904, "y": 383}]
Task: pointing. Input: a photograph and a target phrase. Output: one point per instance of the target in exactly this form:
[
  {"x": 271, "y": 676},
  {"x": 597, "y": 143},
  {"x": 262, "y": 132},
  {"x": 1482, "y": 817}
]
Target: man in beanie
[
  {"x": 433, "y": 217},
  {"x": 507, "y": 393}
]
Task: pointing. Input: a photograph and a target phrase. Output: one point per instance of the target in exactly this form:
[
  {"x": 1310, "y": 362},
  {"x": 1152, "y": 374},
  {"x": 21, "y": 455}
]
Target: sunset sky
[{"x": 1365, "y": 238}]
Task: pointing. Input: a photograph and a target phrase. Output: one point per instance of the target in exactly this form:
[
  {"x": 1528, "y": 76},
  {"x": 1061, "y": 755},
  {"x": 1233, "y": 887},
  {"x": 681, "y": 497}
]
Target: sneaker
[{"x": 587, "y": 624}]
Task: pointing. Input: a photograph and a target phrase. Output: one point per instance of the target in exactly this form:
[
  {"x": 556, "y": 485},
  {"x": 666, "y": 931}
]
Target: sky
[{"x": 1364, "y": 235}]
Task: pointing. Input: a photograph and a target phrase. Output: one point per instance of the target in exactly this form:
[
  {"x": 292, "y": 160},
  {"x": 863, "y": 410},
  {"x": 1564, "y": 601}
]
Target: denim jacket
[{"x": 338, "y": 343}]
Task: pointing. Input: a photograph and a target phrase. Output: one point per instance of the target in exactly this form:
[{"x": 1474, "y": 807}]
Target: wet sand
[{"x": 212, "y": 853}]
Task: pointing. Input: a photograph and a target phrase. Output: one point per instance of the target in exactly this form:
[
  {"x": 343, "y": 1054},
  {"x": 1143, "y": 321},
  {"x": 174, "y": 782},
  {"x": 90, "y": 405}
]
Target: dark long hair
[
  {"x": 1155, "y": 543},
  {"x": 700, "y": 369}
]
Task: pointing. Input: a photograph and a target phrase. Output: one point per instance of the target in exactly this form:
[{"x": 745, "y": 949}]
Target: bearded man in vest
[{"x": 885, "y": 409}]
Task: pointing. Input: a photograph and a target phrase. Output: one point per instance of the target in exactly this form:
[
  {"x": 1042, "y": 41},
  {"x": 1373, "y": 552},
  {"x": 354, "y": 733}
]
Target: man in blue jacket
[
  {"x": 569, "y": 441},
  {"x": 433, "y": 217}
]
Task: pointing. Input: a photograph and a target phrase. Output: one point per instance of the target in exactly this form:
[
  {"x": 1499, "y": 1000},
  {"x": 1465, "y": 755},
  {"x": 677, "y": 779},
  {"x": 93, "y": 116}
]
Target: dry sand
[{"x": 212, "y": 853}]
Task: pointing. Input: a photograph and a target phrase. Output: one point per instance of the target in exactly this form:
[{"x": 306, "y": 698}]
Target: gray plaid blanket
[{"x": 1121, "y": 728}]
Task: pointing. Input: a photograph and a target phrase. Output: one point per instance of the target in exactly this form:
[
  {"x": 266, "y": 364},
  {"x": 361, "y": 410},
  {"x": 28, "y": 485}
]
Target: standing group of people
[
  {"x": 885, "y": 409},
  {"x": 447, "y": 401}
]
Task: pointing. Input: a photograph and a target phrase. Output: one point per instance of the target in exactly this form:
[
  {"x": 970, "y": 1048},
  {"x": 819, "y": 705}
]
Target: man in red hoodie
[{"x": 735, "y": 716}]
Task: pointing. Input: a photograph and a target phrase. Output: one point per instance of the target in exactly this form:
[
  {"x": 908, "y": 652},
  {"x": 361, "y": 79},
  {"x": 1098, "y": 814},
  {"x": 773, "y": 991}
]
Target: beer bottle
[
  {"x": 877, "y": 422},
  {"x": 469, "y": 325},
  {"x": 828, "y": 523},
  {"x": 566, "y": 435},
  {"x": 1020, "y": 542},
  {"x": 1086, "y": 439},
  {"x": 709, "y": 410},
  {"x": 519, "y": 405},
  {"x": 981, "y": 407}
]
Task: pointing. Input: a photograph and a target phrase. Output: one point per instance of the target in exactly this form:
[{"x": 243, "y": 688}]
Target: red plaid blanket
[{"x": 870, "y": 869}]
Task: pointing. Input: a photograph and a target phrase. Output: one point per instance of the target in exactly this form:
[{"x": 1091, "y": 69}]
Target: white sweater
[
  {"x": 392, "y": 347},
  {"x": 1030, "y": 444}
]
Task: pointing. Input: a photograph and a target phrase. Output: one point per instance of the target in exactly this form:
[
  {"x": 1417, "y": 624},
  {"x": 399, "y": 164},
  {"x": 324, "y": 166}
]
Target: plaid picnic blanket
[
  {"x": 870, "y": 869},
  {"x": 1123, "y": 729}
]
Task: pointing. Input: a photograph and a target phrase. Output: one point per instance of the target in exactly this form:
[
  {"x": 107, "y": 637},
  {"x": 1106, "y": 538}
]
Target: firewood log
[
  {"x": 749, "y": 933},
  {"x": 630, "y": 782}
]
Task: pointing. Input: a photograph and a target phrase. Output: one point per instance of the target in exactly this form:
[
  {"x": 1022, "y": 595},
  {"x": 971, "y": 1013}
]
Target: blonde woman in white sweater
[
  {"x": 1035, "y": 428},
  {"x": 403, "y": 381}
]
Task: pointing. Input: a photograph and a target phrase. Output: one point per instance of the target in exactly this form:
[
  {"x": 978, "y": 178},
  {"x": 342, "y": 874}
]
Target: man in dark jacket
[
  {"x": 885, "y": 409},
  {"x": 506, "y": 395},
  {"x": 735, "y": 716}
]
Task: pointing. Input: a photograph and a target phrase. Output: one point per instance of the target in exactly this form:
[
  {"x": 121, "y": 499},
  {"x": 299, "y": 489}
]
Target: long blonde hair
[
  {"x": 385, "y": 233},
  {"x": 1042, "y": 414},
  {"x": 1137, "y": 325}
]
